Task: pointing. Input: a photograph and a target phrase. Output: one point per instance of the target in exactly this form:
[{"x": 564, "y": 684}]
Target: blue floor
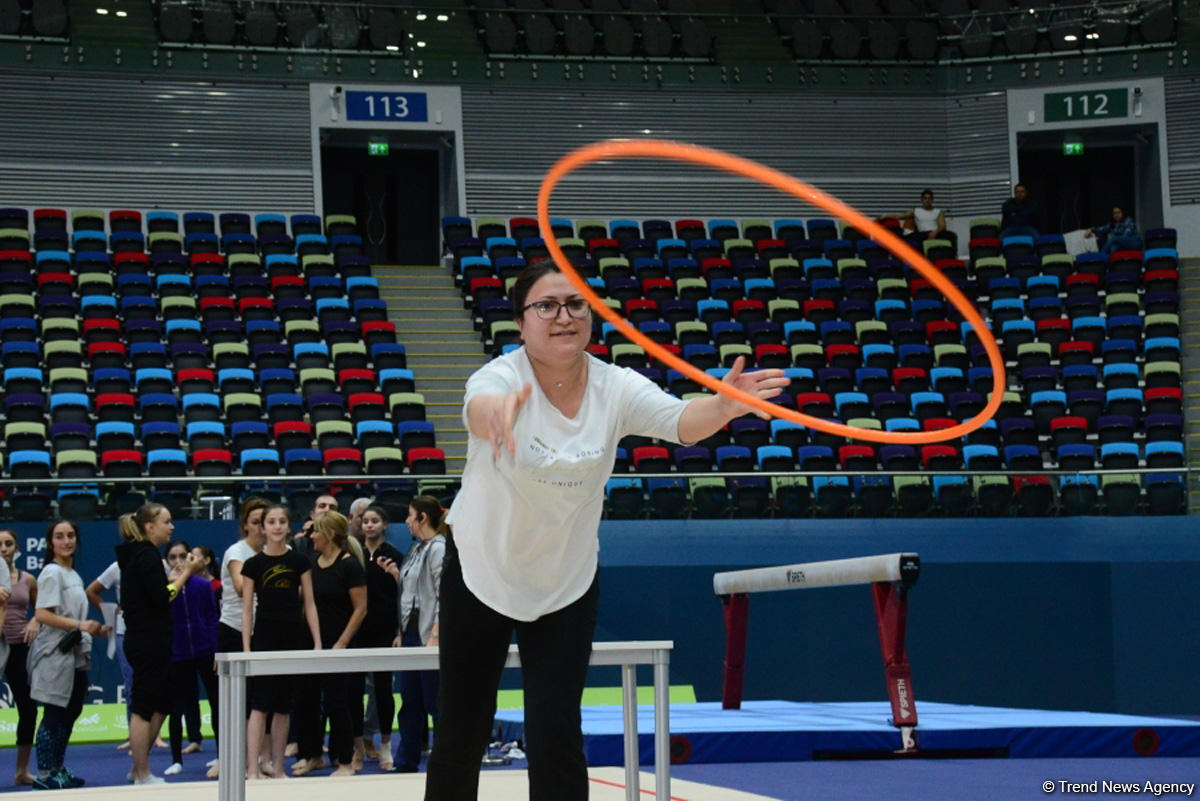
[
  {"x": 783, "y": 731},
  {"x": 959, "y": 779}
]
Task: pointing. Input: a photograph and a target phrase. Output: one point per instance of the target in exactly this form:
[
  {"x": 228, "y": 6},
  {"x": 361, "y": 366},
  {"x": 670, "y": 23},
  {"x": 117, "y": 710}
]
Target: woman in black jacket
[{"x": 146, "y": 595}]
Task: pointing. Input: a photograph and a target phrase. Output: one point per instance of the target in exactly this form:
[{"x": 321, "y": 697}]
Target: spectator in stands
[
  {"x": 420, "y": 579},
  {"x": 1120, "y": 233},
  {"x": 340, "y": 592},
  {"x": 193, "y": 643},
  {"x": 280, "y": 579},
  {"x": 19, "y": 632},
  {"x": 924, "y": 222},
  {"x": 523, "y": 552},
  {"x": 302, "y": 542},
  {"x": 60, "y": 655},
  {"x": 229, "y": 629},
  {"x": 1020, "y": 215},
  {"x": 378, "y": 631},
  {"x": 147, "y": 594}
]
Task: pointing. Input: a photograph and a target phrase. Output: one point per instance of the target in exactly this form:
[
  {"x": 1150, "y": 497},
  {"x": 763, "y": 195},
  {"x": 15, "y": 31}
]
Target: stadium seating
[{"x": 1086, "y": 339}]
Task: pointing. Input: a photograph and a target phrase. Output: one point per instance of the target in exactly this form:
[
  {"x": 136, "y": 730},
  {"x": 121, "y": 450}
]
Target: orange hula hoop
[{"x": 654, "y": 148}]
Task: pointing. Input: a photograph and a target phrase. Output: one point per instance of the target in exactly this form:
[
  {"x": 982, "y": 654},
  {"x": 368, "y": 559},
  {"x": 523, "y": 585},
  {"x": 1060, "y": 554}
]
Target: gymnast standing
[{"x": 280, "y": 580}]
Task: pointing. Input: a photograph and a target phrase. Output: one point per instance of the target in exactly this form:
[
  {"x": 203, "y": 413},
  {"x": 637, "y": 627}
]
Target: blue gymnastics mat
[{"x": 777, "y": 731}]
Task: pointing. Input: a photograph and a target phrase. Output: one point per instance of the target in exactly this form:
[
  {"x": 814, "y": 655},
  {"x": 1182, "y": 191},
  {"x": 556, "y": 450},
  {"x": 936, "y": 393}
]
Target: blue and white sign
[{"x": 387, "y": 106}]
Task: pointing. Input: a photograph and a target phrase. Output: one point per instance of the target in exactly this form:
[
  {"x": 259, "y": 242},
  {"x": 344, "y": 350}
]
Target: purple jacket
[{"x": 195, "y": 615}]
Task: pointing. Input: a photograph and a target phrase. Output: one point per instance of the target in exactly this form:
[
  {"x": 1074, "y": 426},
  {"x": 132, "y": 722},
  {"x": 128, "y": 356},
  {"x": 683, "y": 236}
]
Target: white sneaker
[
  {"x": 150, "y": 778},
  {"x": 175, "y": 768},
  {"x": 129, "y": 777},
  {"x": 210, "y": 763}
]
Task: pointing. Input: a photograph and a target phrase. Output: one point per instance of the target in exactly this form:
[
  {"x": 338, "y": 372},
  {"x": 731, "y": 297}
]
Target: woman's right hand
[
  {"x": 90, "y": 626},
  {"x": 31, "y": 630},
  {"x": 398, "y": 641},
  {"x": 501, "y": 418}
]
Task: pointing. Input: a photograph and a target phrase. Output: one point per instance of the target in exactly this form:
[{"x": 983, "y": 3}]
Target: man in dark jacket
[{"x": 1020, "y": 215}]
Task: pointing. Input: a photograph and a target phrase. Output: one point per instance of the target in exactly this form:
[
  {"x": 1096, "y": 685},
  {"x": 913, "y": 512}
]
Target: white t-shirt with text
[{"x": 526, "y": 526}]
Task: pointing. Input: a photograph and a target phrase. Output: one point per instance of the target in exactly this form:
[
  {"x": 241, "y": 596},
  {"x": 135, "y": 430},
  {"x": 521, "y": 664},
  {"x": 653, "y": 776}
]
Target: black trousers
[
  {"x": 327, "y": 693},
  {"x": 18, "y": 681},
  {"x": 385, "y": 702},
  {"x": 185, "y": 701},
  {"x": 418, "y": 702},
  {"x": 474, "y": 641}
]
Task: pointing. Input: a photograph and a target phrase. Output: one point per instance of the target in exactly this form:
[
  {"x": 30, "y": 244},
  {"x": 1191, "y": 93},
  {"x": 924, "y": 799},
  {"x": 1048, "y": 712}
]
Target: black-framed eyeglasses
[{"x": 548, "y": 309}]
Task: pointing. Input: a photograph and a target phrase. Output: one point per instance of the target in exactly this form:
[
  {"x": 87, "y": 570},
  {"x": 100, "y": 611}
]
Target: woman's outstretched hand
[
  {"x": 502, "y": 417},
  {"x": 764, "y": 384}
]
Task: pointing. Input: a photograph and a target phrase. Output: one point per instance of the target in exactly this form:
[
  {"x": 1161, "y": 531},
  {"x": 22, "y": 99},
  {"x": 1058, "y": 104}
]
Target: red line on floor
[{"x": 621, "y": 786}]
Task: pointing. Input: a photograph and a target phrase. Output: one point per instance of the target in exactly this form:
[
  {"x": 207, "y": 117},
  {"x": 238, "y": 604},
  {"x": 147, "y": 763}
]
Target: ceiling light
[
  {"x": 1070, "y": 37},
  {"x": 443, "y": 17},
  {"x": 421, "y": 16},
  {"x": 101, "y": 10}
]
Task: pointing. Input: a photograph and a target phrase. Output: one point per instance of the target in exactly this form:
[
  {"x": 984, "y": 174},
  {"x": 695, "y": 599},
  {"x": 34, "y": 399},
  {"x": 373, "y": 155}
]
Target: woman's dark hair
[
  {"x": 249, "y": 505},
  {"x": 925, "y": 192},
  {"x": 50, "y": 535},
  {"x": 270, "y": 507},
  {"x": 379, "y": 510},
  {"x": 210, "y": 555},
  {"x": 431, "y": 509},
  {"x": 525, "y": 281},
  {"x": 176, "y": 544}
]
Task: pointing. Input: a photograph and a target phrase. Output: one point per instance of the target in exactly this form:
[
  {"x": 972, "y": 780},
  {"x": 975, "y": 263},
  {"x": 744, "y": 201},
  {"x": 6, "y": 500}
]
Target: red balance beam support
[
  {"x": 891, "y": 613},
  {"x": 737, "y": 612}
]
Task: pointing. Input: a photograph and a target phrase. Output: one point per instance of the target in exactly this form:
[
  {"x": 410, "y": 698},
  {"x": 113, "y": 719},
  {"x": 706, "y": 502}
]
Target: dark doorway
[
  {"x": 1118, "y": 167},
  {"x": 394, "y": 197}
]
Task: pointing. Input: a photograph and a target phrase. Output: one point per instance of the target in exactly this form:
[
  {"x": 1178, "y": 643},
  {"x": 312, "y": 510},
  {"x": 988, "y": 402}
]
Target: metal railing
[{"x": 234, "y": 668}]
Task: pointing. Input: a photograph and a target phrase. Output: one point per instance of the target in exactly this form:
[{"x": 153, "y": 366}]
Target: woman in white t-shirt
[
  {"x": 229, "y": 629},
  {"x": 544, "y": 422}
]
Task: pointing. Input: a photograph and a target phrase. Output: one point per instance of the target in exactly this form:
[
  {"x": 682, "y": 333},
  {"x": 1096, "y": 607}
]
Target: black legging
[
  {"x": 185, "y": 701},
  {"x": 330, "y": 688},
  {"x": 18, "y": 681},
  {"x": 385, "y": 702},
  {"x": 57, "y": 722}
]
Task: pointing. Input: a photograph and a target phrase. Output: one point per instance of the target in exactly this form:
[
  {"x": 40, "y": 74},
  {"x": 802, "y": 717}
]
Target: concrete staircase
[
  {"x": 442, "y": 345},
  {"x": 1189, "y": 340}
]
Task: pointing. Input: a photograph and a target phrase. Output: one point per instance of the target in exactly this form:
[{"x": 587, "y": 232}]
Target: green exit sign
[
  {"x": 1092, "y": 105},
  {"x": 1072, "y": 148},
  {"x": 377, "y": 148}
]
